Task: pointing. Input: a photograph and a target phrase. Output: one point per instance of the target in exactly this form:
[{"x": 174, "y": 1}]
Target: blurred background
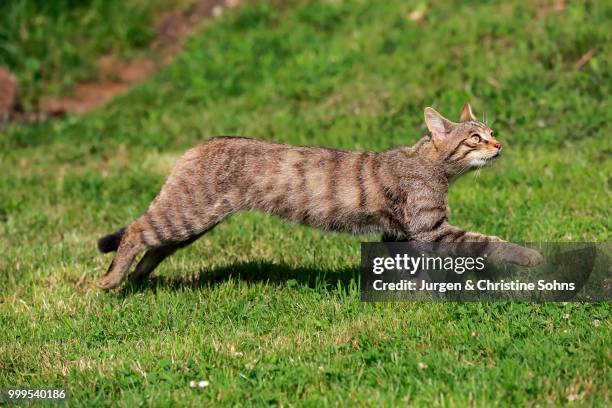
[
  {"x": 72, "y": 56},
  {"x": 89, "y": 49}
]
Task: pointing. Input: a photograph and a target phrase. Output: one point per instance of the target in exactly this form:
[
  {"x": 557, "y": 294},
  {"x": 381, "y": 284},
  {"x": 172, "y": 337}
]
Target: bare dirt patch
[
  {"x": 172, "y": 28},
  {"x": 8, "y": 93}
]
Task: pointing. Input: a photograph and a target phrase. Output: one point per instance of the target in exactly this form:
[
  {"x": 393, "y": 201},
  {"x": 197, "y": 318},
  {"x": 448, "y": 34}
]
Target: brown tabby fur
[{"x": 401, "y": 192}]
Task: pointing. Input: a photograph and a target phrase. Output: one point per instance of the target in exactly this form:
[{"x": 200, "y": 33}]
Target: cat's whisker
[{"x": 463, "y": 170}]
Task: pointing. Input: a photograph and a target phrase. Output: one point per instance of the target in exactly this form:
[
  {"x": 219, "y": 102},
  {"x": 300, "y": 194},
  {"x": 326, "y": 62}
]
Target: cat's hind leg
[
  {"x": 153, "y": 257},
  {"x": 175, "y": 218},
  {"x": 131, "y": 244},
  {"x": 157, "y": 233}
]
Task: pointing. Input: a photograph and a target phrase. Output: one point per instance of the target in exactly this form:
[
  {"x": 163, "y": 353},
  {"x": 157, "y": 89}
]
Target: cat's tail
[{"x": 110, "y": 242}]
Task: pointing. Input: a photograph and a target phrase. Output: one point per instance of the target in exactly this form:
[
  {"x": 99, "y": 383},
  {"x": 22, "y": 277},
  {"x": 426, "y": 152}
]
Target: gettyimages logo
[
  {"x": 484, "y": 271},
  {"x": 413, "y": 265}
]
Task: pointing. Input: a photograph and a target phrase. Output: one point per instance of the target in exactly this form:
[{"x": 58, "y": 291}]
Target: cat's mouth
[
  {"x": 485, "y": 161},
  {"x": 494, "y": 157}
]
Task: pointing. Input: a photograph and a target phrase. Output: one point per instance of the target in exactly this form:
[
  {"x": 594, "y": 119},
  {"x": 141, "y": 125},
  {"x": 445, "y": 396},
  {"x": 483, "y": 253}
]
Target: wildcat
[{"x": 400, "y": 192}]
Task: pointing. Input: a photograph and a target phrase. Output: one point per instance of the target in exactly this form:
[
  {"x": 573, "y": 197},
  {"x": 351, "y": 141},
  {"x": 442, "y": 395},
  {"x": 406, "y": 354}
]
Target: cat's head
[{"x": 462, "y": 145}]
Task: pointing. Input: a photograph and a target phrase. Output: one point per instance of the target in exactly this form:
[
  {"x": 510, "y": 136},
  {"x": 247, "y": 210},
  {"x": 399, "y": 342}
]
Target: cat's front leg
[
  {"x": 516, "y": 254},
  {"x": 496, "y": 248}
]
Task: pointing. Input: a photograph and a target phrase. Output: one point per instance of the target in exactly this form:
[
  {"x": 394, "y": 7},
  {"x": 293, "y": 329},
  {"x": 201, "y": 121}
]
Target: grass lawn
[
  {"x": 268, "y": 312},
  {"x": 50, "y": 45}
]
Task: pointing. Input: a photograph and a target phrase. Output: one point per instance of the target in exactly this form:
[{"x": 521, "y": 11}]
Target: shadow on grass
[{"x": 253, "y": 271}]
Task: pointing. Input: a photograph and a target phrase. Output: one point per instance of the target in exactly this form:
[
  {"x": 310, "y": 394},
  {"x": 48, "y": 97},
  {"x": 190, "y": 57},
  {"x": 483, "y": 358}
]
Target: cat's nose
[{"x": 498, "y": 146}]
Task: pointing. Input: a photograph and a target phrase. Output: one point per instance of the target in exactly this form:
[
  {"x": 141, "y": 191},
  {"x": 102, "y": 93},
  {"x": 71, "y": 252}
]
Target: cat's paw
[
  {"x": 517, "y": 255},
  {"x": 109, "y": 281},
  {"x": 528, "y": 257}
]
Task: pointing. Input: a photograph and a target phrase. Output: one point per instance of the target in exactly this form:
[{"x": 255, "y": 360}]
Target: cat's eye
[{"x": 475, "y": 137}]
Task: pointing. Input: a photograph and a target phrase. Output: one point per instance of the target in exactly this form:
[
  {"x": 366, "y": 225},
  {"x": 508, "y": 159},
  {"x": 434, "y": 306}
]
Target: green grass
[
  {"x": 269, "y": 312},
  {"x": 50, "y": 45}
]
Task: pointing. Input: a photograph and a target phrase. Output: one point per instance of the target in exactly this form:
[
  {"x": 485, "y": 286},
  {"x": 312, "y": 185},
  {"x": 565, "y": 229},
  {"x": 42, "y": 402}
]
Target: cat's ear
[
  {"x": 467, "y": 114},
  {"x": 437, "y": 124}
]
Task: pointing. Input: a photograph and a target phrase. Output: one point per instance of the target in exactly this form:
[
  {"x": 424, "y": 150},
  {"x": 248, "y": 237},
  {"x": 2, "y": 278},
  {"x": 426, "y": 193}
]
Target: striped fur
[{"x": 400, "y": 192}]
